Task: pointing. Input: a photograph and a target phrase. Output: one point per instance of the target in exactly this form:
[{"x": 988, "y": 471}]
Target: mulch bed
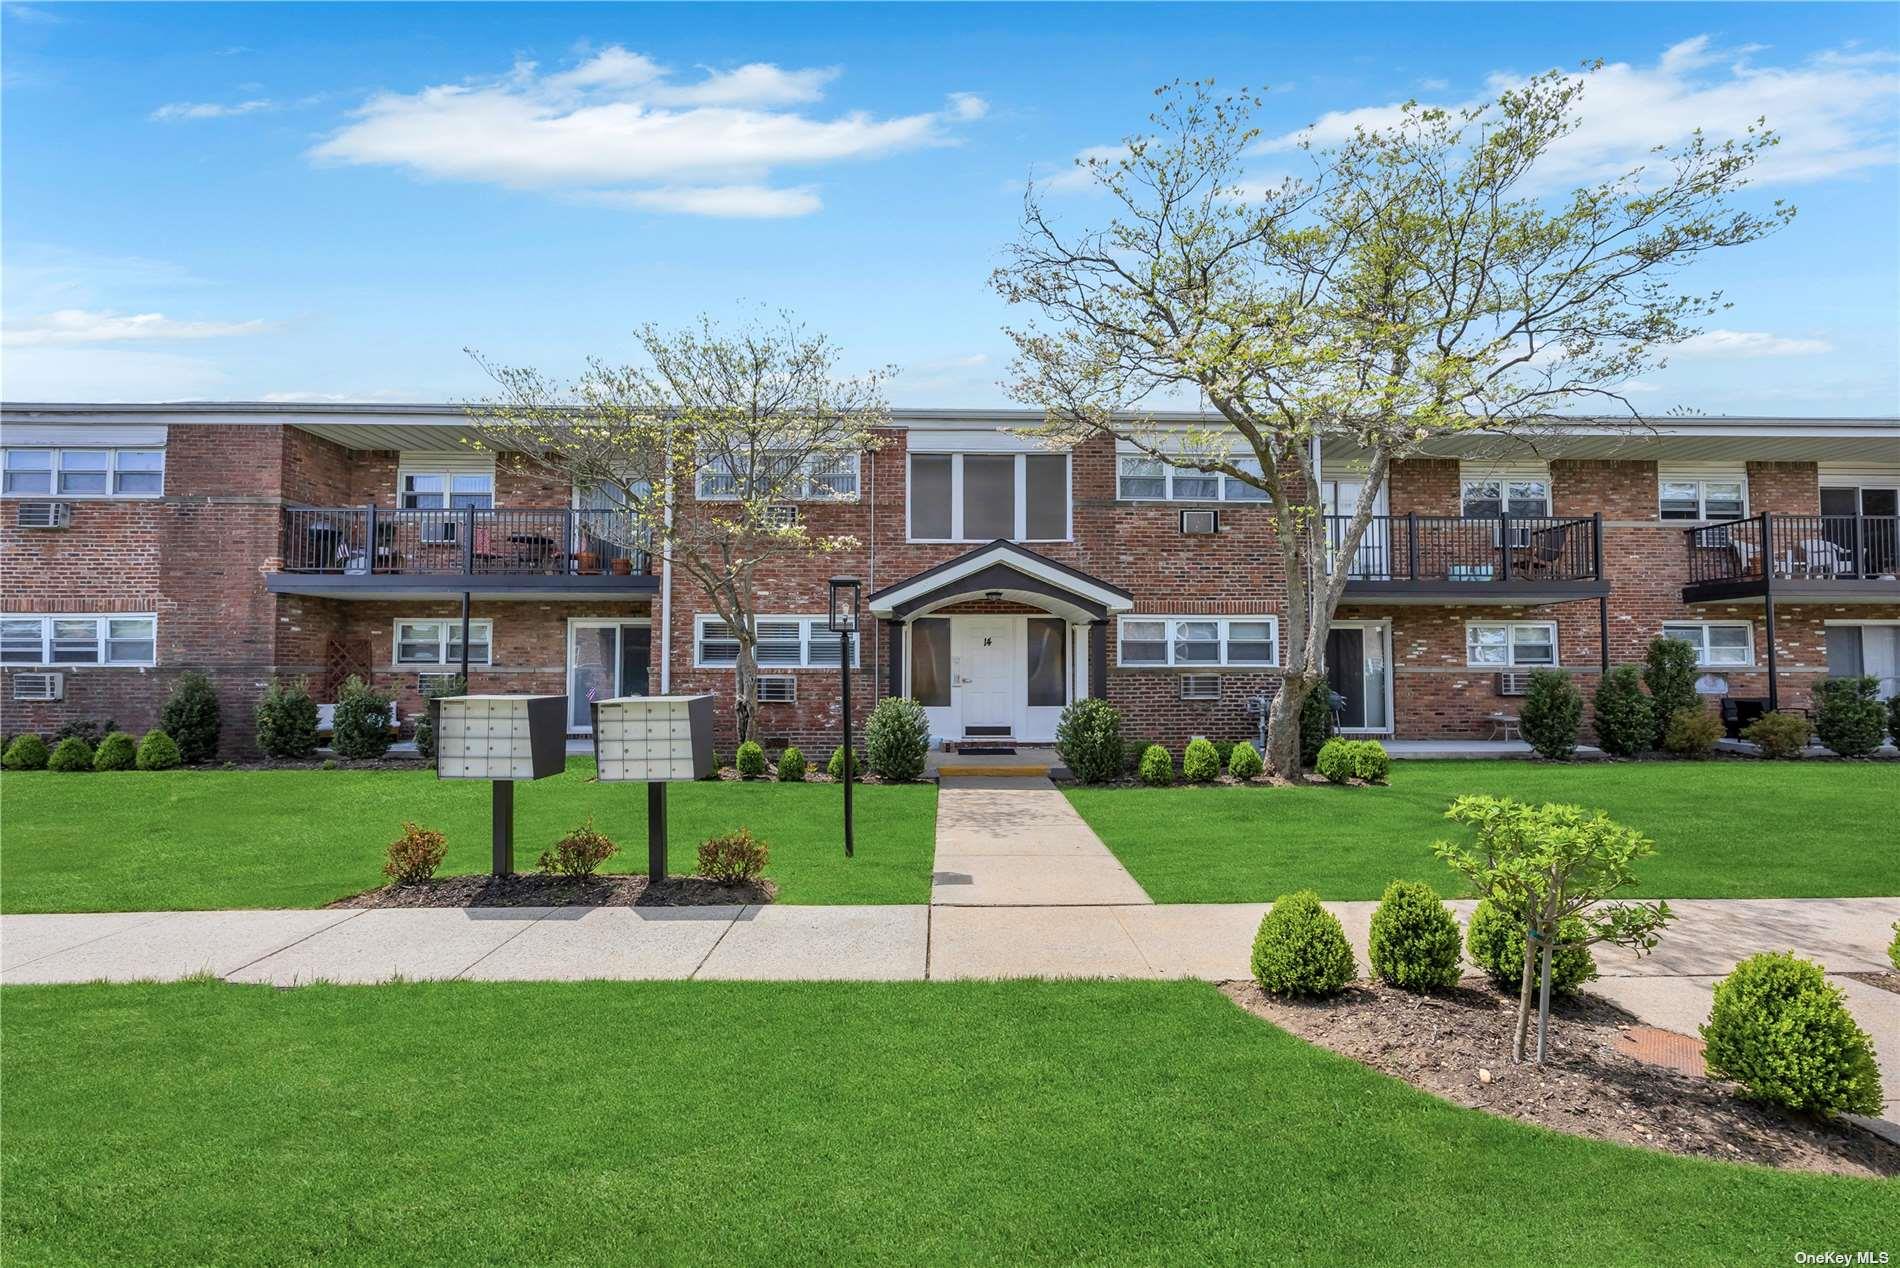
[
  {"x": 534, "y": 889},
  {"x": 1457, "y": 1045},
  {"x": 1885, "y": 981}
]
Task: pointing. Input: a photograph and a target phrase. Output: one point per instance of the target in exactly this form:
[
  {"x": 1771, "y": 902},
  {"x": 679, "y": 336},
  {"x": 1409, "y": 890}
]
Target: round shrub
[
  {"x": 738, "y": 857},
  {"x": 1245, "y": 763},
  {"x": 27, "y": 752},
  {"x": 1779, "y": 735},
  {"x": 750, "y": 760},
  {"x": 835, "y": 767},
  {"x": 578, "y": 854},
  {"x": 1200, "y": 764},
  {"x": 1495, "y": 941},
  {"x": 190, "y": 717},
  {"x": 1301, "y": 948},
  {"x": 413, "y": 857},
  {"x": 791, "y": 766},
  {"x": 1224, "y": 750},
  {"x": 1316, "y": 722},
  {"x": 1847, "y": 717},
  {"x": 117, "y": 751},
  {"x": 1626, "y": 725},
  {"x": 1089, "y": 740},
  {"x": 425, "y": 728},
  {"x": 157, "y": 751},
  {"x": 1370, "y": 761},
  {"x": 71, "y": 754},
  {"x": 897, "y": 740},
  {"x": 1781, "y": 1030},
  {"x": 1692, "y": 732},
  {"x": 287, "y": 722},
  {"x": 1669, "y": 673},
  {"x": 1157, "y": 767},
  {"x": 1552, "y": 713},
  {"x": 1335, "y": 761},
  {"x": 1415, "y": 944},
  {"x": 1132, "y": 753},
  {"x": 360, "y": 726}
]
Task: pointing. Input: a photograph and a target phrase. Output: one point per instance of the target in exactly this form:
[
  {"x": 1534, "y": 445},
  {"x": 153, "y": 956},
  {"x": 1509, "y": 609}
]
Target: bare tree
[
  {"x": 707, "y": 444},
  {"x": 1418, "y": 285}
]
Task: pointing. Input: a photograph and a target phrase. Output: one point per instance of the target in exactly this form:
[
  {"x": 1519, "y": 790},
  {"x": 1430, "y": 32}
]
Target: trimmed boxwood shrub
[
  {"x": 359, "y": 727},
  {"x": 1200, "y": 764},
  {"x": 1781, "y": 1030},
  {"x": 117, "y": 751},
  {"x": 287, "y": 722},
  {"x": 1495, "y": 941},
  {"x": 1246, "y": 761},
  {"x": 1133, "y": 751},
  {"x": 1157, "y": 767},
  {"x": 425, "y": 729},
  {"x": 1370, "y": 761},
  {"x": 1780, "y": 735},
  {"x": 749, "y": 761},
  {"x": 835, "y": 767},
  {"x": 91, "y": 730},
  {"x": 71, "y": 754},
  {"x": 1669, "y": 673},
  {"x": 1316, "y": 722},
  {"x": 1335, "y": 760},
  {"x": 1626, "y": 724},
  {"x": 791, "y": 766},
  {"x": 1847, "y": 717},
  {"x": 1552, "y": 714},
  {"x": 1089, "y": 740},
  {"x": 1224, "y": 752},
  {"x": 1415, "y": 943},
  {"x": 157, "y": 751},
  {"x": 1692, "y": 732},
  {"x": 897, "y": 740},
  {"x": 1301, "y": 949},
  {"x": 190, "y": 717},
  {"x": 27, "y": 752}
]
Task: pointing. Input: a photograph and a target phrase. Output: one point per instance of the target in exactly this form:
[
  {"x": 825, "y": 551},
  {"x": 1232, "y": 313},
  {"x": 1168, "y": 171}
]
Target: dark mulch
[
  {"x": 534, "y": 889},
  {"x": 1457, "y": 1045},
  {"x": 1885, "y": 981}
]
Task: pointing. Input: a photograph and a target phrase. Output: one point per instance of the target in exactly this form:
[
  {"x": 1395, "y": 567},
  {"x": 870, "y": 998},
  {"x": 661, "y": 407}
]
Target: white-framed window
[
  {"x": 1139, "y": 478},
  {"x": 1489, "y": 497},
  {"x": 1718, "y": 644},
  {"x": 129, "y": 639},
  {"x": 1196, "y": 642},
  {"x": 783, "y": 642},
  {"x": 980, "y": 497},
  {"x": 432, "y": 642},
  {"x": 820, "y": 478},
  {"x": 1510, "y": 644},
  {"x": 1690, "y": 498},
  {"x": 83, "y": 473}
]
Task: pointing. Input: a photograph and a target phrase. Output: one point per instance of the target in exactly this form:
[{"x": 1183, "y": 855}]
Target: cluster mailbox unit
[
  {"x": 502, "y": 739},
  {"x": 654, "y": 740}
]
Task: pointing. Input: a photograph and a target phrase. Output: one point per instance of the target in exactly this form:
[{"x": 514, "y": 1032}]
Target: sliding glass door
[{"x": 604, "y": 659}]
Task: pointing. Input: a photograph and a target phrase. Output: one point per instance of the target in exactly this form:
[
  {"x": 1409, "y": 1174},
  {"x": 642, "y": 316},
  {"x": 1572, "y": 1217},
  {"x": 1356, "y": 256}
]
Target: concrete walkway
[{"x": 1017, "y": 842}]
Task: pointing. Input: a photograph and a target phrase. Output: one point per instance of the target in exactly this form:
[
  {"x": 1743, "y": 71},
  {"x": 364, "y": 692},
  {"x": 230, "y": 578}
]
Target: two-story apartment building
[{"x": 1005, "y": 580}]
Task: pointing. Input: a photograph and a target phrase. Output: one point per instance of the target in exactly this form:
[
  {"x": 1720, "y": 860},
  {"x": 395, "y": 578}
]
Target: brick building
[{"x": 1004, "y": 580}]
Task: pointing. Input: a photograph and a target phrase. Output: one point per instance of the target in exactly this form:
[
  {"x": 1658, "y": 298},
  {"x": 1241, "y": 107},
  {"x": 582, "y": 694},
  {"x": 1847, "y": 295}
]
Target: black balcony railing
[
  {"x": 1475, "y": 550},
  {"x": 366, "y": 540},
  {"x": 1796, "y": 548}
]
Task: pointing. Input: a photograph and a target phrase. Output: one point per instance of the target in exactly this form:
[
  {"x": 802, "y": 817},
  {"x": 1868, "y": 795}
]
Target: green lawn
[
  {"x": 136, "y": 841},
  {"x": 1722, "y": 829},
  {"x": 738, "y": 1123}
]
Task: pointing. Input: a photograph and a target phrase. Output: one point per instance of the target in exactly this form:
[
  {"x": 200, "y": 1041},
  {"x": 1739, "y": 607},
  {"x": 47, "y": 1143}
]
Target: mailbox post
[
  {"x": 501, "y": 739},
  {"x": 654, "y": 740}
]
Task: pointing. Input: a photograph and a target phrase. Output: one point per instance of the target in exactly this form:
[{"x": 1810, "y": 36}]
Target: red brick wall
[{"x": 1792, "y": 488}]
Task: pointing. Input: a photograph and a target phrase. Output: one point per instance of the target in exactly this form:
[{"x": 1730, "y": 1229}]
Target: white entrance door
[{"x": 988, "y": 674}]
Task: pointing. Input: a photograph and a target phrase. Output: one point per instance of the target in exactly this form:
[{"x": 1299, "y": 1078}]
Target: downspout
[
  {"x": 877, "y": 639},
  {"x": 666, "y": 589}
]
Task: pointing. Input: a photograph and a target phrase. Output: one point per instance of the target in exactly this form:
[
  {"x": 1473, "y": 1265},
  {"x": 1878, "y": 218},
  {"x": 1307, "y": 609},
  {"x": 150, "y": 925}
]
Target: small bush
[
  {"x": 91, "y": 730},
  {"x": 1495, "y": 941},
  {"x": 1669, "y": 672},
  {"x": 1246, "y": 762},
  {"x": 1847, "y": 717},
  {"x": 1301, "y": 949},
  {"x": 190, "y": 717},
  {"x": 1316, "y": 722},
  {"x": 1200, "y": 764},
  {"x": 749, "y": 760},
  {"x": 1133, "y": 751},
  {"x": 70, "y": 754},
  {"x": 835, "y": 767},
  {"x": 1224, "y": 752},
  {"x": 117, "y": 751},
  {"x": 425, "y": 729},
  {"x": 1626, "y": 724},
  {"x": 1552, "y": 714},
  {"x": 579, "y": 854},
  {"x": 329, "y": 763},
  {"x": 360, "y": 726},
  {"x": 1089, "y": 740},
  {"x": 413, "y": 857},
  {"x": 157, "y": 751},
  {"x": 1415, "y": 943},
  {"x": 287, "y": 721},
  {"x": 791, "y": 766},
  {"x": 738, "y": 857},
  {"x": 1335, "y": 760},
  {"x": 897, "y": 740},
  {"x": 1781, "y": 1030},
  {"x": 1779, "y": 735},
  {"x": 1370, "y": 761},
  {"x": 27, "y": 752},
  {"x": 1692, "y": 732},
  {"x": 1157, "y": 767}
]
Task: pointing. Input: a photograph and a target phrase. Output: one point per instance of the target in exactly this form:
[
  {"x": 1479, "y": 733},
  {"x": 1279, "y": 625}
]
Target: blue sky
[{"x": 305, "y": 202}]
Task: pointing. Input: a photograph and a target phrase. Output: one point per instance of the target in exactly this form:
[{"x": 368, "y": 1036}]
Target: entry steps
[{"x": 1037, "y": 761}]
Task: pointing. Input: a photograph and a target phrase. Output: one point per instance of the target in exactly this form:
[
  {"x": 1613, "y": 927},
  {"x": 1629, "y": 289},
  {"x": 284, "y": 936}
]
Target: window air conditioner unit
[
  {"x": 1200, "y": 686},
  {"x": 778, "y": 690},
  {"x": 1200, "y": 522},
  {"x": 39, "y": 686},
  {"x": 1514, "y": 683},
  {"x": 44, "y": 515}
]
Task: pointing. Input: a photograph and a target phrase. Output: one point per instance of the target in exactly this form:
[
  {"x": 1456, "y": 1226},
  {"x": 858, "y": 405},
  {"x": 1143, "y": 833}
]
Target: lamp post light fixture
[{"x": 844, "y": 623}]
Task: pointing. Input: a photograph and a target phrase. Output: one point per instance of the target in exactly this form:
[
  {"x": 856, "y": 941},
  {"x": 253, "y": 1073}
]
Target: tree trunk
[
  {"x": 1525, "y": 985},
  {"x": 1283, "y": 726},
  {"x": 745, "y": 702}
]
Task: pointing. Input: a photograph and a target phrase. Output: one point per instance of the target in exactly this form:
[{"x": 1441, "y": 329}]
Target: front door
[
  {"x": 988, "y": 673},
  {"x": 1356, "y": 672}
]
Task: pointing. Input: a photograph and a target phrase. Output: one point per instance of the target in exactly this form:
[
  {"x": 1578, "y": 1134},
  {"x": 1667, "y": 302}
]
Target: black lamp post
[{"x": 844, "y": 623}]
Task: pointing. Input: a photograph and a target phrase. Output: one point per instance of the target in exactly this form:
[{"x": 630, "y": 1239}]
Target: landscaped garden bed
[{"x": 533, "y": 889}]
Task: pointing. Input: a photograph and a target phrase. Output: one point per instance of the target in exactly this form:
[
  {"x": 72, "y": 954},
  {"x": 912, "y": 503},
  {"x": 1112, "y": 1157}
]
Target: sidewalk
[{"x": 1016, "y": 842}]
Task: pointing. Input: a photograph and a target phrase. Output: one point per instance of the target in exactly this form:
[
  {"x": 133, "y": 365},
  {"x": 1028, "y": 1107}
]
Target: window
[
  {"x": 783, "y": 642},
  {"x": 957, "y": 497},
  {"x": 79, "y": 640},
  {"x": 1680, "y": 499},
  {"x": 1490, "y": 498},
  {"x": 440, "y": 642},
  {"x": 822, "y": 477},
  {"x": 1718, "y": 644},
  {"x": 930, "y": 662},
  {"x": 1507, "y": 644},
  {"x": 1143, "y": 479},
  {"x": 1048, "y": 662},
  {"x": 1198, "y": 641},
  {"x": 85, "y": 473},
  {"x": 435, "y": 491}
]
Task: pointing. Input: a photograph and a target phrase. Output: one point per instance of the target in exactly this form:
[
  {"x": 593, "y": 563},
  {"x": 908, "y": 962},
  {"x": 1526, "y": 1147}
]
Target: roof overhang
[{"x": 1002, "y": 570}]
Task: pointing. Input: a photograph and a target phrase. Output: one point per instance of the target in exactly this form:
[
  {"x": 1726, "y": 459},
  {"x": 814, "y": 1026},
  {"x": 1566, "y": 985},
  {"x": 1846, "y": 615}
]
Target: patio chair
[
  {"x": 1824, "y": 558},
  {"x": 1546, "y": 550}
]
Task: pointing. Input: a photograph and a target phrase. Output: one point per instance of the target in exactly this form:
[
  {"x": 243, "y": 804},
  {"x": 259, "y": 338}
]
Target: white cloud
[
  {"x": 385, "y": 396},
  {"x": 1748, "y": 343},
  {"x": 103, "y": 373},
  {"x": 1834, "y": 112},
  {"x": 1078, "y": 175},
  {"x": 620, "y": 126},
  {"x": 86, "y": 326},
  {"x": 181, "y": 111}
]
